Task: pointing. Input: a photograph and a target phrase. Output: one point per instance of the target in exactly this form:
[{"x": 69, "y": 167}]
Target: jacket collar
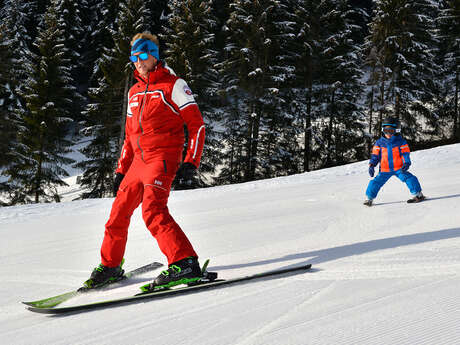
[{"x": 153, "y": 76}]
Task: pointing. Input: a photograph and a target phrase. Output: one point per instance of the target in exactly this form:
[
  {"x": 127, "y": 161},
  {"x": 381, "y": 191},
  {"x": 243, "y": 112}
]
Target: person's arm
[
  {"x": 405, "y": 152},
  {"x": 375, "y": 158},
  {"x": 127, "y": 153},
  {"x": 182, "y": 96},
  {"x": 375, "y": 155}
]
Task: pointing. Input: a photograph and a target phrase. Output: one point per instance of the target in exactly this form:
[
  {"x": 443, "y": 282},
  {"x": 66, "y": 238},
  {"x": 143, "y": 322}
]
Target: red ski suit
[{"x": 151, "y": 154}]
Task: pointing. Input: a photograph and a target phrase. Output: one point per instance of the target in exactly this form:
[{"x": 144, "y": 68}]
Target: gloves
[
  {"x": 186, "y": 177},
  {"x": 371, "y": 170},
  {"x": 405, "y": 166},
  {"x": 116, "y": 182}
]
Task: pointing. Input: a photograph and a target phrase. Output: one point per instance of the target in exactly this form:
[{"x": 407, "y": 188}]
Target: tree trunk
[
  {"x": 308, "y": 129},
  {"x": 38, "y": 177},
  {"x": 249, "y": 145},
  {"x": 456, "y": 114},
  {"x": 371, "y": 113},
  {"x": 253, "y": 140},
  {"x": 382, "y": 94},
  {"x": 330, "y": 129}
]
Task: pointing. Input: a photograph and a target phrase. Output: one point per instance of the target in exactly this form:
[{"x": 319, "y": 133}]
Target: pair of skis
[{"x": 50, "y": 305}]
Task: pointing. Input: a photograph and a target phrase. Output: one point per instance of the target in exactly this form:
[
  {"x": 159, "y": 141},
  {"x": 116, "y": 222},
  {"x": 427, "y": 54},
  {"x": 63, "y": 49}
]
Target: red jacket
[{"x": 158, "y": 108}]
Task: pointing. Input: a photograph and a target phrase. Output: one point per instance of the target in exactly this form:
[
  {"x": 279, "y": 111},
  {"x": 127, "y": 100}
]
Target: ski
[
  {"x": 198, "y": 286},
  {"x": 51, "y": 302}
]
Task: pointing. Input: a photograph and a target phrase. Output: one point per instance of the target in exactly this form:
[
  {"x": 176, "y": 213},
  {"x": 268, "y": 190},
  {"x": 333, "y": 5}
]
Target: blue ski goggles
[{"x": 141, "y": 56}]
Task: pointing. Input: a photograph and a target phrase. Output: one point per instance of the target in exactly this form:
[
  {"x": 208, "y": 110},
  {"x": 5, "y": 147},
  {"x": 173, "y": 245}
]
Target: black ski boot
[
  {"x": 419, "y": 197},
  {"x": 184, "y": 271},
  {"x": 368, "y": 202},
  {"x": 103, "y": 275}
]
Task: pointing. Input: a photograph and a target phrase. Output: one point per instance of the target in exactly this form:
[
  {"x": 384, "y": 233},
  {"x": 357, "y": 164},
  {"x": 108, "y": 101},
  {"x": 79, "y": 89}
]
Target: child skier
[{"x": 393, "y": 154}]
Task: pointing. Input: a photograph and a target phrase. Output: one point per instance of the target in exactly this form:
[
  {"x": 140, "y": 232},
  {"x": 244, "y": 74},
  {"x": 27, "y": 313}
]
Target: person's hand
[
  {"x": 405, "y": 166},
  {"x": 186, "y": 177},
  {"x": 371, "y": 170},
  {"x": 116, "y": 182}
]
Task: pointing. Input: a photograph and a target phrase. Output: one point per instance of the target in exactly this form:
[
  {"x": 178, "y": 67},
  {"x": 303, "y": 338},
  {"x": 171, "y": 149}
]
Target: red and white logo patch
[{"x": 187, "y": 90}]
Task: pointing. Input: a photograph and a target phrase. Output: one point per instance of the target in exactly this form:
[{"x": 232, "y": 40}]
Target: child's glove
[
  {"x": 371, "y": 170},
  {"x": 405, "y": 166}
]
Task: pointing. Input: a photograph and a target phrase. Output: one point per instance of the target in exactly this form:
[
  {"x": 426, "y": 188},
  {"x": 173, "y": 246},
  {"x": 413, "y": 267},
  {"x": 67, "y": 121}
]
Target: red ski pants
[{"x": 150, "y": 185}]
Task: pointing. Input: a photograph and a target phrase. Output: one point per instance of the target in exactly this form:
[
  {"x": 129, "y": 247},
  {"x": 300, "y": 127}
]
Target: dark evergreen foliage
[
  {"x": 403, "y": 34},
  {"x": 256, "y": 70},
  {"x": 36, "y": 170},
  {"x": 106, "y": 112},
  {"x": 449, "y": 56},
  {"x": 189, "y": 49},
  {"x": 284, "y": 86}
]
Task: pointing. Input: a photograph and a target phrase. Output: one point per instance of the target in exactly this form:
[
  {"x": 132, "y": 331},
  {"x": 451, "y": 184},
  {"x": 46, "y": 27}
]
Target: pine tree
[
  {"x": 158, "y": 16},
  {"x": 255, "y": 76},
  {"x": 308, "y": 47},
  {"x": 105, "y": 115},
  {"x": 70, "y": 22},
  {"x": 449, "y": 33},
  {"x": 340, "y": 65},
  {"x": 279, "y": 144},
  {"x": 402, "y": 32},
  {"x": 8, "y": 126},
  {"x": 327, "y": 83},
  {"x": 14, "y": 38},
  {"x": 37, "y": 167},
  {"x": 189, "y": 49}
]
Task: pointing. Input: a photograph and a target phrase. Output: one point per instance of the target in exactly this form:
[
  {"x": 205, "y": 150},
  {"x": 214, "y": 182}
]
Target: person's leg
[
  {"x": 375, "y": 184},
  {"x": 173, "y": 242},
  {"x": 410, "y": 180},
  {"x": 127, "y": 200}
]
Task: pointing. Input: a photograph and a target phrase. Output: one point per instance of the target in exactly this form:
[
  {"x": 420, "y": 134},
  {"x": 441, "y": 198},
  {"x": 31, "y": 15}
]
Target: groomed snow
[{"x": 389, "y": 274}]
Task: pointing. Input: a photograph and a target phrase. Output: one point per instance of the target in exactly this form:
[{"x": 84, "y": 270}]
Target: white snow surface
[{"x": 389, "y": 274}]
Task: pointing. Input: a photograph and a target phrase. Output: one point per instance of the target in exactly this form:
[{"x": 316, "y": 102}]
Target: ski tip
[{"x": 41, "y": 310}]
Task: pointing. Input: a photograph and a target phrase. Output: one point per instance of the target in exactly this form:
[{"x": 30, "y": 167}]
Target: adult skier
[
  {"x": 393, "y": 154},
  {"x": 159, "y": 105}
]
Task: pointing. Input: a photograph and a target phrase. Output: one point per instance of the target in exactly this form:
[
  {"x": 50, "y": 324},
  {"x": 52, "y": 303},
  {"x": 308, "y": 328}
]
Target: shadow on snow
[{"x": 335, "y": 253}]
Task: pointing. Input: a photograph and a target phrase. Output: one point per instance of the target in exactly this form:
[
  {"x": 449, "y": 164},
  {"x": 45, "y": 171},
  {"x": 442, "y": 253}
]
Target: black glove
[
  {"x": 371, "y": 170},
  {"x": 186, "y": 177},
  {"x": 116, "y": 182},
  {"x": 405, "y": 166}
]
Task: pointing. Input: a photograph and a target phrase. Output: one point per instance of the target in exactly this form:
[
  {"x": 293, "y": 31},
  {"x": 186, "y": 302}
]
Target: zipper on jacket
[{"x": 140, "y": 119}]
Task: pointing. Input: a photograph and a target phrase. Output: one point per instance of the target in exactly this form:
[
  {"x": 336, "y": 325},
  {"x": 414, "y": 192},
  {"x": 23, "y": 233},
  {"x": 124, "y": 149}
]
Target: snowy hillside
[{"x": 389, "y": 274}]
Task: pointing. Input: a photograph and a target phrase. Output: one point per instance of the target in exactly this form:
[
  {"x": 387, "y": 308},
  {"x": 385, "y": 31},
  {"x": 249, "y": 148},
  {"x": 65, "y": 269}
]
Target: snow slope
[{"x": 389, "y": 274}]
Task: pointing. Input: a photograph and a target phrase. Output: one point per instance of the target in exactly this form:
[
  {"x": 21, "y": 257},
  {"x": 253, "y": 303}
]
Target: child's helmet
[{"x": 391, "y": 125}]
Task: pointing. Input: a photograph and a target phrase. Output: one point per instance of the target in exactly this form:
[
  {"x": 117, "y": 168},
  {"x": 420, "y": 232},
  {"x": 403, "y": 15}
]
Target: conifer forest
[{"x": 284, "y": 86}]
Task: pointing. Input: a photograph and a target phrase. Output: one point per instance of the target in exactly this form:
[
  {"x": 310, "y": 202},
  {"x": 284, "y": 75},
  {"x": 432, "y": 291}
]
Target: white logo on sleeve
[{"x": 182, "y": 96}]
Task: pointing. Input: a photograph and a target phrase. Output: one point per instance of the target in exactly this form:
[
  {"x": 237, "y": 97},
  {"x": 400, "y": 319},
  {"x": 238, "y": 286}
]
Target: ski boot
[
  {"x": 417, "y": 198},
  {"x": 368, "y": 202},
  {"x": 186, "y": 271},
  {"x": 103, "y": 275}
]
